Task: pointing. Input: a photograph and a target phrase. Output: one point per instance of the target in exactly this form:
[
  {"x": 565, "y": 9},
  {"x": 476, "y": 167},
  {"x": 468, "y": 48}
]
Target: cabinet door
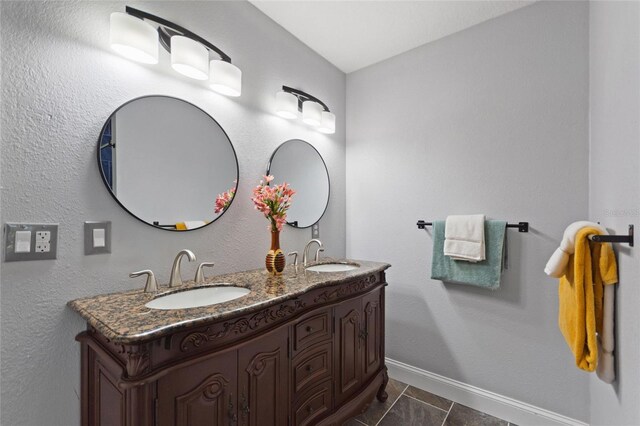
[
  {"x": 263, "y": 368},
  {"x": 348, "y": 317},
  {"x": 372, "y": 333},
  {"x": 200, "y": 394}
]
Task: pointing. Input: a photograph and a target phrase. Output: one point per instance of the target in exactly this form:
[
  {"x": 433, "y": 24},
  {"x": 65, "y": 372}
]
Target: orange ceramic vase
[{"x": 275, "y": 260}]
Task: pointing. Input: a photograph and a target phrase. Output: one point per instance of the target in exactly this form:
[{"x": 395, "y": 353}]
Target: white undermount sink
[
  {"x": 198, "y": 297},
  {"x": 333, "y": 267}
]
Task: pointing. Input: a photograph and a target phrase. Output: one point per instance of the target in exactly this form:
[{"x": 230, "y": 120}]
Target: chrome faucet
[
  {"x": 176, "y": 279},
  {"x": 199, "y": 279},
  {"x": 152, "y": 285},
  {"x": 305, "y": 254},
  {"x": 295, "y": 258}
]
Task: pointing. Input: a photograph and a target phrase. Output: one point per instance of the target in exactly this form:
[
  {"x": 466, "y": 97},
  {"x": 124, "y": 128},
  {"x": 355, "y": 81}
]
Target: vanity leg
[{"x": 382, "y": 393}]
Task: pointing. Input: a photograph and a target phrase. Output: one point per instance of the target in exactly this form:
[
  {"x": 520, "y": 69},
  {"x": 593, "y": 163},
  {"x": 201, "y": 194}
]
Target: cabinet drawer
[
  {"x": 313, "y": 405},
  {"x": 312, "y": 329},
  {"x": 312, "y": 365}
]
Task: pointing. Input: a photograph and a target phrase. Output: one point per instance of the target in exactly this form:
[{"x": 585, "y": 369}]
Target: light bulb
[
  {"x": 286, "y": 105},
  {"x": 327, "y": 123},
  {"x": 133, "y": 38},
  {"x": 311, "y": 113},
  {"x": 189, "y": 57},
  {"x": 225, "y": 78}
]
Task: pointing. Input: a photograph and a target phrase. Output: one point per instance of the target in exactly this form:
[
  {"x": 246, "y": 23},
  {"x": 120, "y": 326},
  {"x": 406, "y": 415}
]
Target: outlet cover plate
[
  {"x": 10, "y": 230},
  {"x": 88, "y": 237}
]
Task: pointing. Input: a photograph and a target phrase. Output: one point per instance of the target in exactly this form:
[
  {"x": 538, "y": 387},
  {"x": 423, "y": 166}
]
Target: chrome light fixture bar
[
  {"x": 291, "y": 102},
  {"x": 135, "y": 39}
]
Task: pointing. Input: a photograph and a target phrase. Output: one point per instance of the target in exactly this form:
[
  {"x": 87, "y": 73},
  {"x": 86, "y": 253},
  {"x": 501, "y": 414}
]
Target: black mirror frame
[
  {"x": 106, "y": 184},
  {"x": 326, "y": 206}
]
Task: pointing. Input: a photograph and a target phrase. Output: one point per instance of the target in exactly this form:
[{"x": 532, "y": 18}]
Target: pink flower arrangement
[
  {"x": 224, "y": 200},
  {"x": 273, "y": 201}
]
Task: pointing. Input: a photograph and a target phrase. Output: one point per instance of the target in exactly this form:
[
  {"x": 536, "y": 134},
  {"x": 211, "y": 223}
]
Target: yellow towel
[{"x": 581, "y": 290}]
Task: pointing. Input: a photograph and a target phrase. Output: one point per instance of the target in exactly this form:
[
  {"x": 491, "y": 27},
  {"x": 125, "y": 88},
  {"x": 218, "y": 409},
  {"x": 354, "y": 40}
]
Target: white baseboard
[{"x": 500, "y": 406}]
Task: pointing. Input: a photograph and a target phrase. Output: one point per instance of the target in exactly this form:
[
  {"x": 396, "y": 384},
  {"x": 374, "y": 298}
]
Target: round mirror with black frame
[
  {"x": 167, "y": 162},
  {"x": 298, "y": 163}
]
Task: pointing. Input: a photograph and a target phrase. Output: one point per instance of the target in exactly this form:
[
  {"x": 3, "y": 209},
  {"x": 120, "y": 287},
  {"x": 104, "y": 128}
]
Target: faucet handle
[
  {"x": 320, "y": 249},
  {"x": 295, "y": 257},
  {"x": 199, "y": 279},
  {"x": 152, "y": 284}
]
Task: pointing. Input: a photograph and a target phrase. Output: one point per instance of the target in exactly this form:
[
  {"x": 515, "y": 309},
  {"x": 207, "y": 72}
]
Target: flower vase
[{"x": 275, "y": 260}]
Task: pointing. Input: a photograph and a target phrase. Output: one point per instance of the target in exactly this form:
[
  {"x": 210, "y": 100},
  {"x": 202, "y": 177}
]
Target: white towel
[
  {"x": 464, "y": 237},
  {"x": 557, "y": 264},
  {"x": 606, "y": 341}
]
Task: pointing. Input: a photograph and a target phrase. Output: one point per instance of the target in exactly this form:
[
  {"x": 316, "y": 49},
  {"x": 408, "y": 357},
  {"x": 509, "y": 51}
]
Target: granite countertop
[{"x": 123, "y": 317}]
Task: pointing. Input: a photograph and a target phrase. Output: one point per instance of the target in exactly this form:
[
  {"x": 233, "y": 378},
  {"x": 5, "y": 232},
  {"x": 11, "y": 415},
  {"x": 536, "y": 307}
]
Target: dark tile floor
[{"x": 410, "y": 406}]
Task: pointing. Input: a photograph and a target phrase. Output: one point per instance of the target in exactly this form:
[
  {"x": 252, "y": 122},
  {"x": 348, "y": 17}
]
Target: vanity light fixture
[
  {"x": 291, "y": 102},
  {"x": 135, "y": 38}
]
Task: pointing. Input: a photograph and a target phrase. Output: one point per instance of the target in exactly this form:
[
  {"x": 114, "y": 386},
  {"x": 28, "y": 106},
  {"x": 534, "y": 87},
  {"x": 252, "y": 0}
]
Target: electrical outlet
[
  {"x": 43, "y": 246},
  {"x": 26, "y": 241},
  {"x": 43, "y": 236}
]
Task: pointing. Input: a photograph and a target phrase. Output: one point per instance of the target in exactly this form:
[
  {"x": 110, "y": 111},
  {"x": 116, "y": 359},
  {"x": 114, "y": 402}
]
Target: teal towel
[{"x": 485, "y": 274}]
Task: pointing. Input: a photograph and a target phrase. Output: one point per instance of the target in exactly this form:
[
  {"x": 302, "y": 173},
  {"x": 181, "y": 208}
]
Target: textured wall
[
  {"x": 493, "y": 119},
  {"x": 614, "y": 190},
  {"x": 60, "y": 82}
]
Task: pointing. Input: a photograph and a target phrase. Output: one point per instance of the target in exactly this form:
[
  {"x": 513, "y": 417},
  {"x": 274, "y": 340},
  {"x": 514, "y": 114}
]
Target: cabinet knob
[
  {"x": 309, "y": 368},
  {"x": 309, "y": 409},
  {"x": 309, "y": 329}
]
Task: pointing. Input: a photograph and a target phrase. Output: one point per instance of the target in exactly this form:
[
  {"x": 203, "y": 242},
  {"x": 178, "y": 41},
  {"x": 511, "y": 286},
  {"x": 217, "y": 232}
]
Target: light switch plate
[
  {"x": 36, "y": 249},
  {"x": 315, "y": 230},
  {"x": 89, "y": 228}
]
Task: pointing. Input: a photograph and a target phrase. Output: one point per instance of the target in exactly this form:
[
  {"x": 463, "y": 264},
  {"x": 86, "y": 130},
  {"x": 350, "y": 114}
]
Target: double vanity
[
  {"x": 305, "y": 347},
  {"x": 248, "y": 348}
]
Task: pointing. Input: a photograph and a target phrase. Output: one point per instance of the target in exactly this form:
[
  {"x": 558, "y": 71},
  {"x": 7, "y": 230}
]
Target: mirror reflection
[
  {"x": 297, "y": 162},
  {"x": 166, "y": 162}
]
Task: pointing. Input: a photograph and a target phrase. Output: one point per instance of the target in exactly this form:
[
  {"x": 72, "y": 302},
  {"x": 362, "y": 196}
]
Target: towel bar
[
  {"x": 522, "y": 226},
  {"x": 614, "y": 238}
]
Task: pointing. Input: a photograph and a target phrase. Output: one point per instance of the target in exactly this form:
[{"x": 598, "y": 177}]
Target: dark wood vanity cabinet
[
  {"x": 315, "y": 359},
  {"x": 359, "y": 351}
]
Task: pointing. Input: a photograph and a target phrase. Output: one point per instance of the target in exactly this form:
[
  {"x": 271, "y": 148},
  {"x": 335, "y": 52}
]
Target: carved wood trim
[
  {"x": 259, "y": 362},
  {"x": 347, "y": 289},
  {"x": 137, "y": 360},
  {"x": 210, "y": 389},
  {"x": 242, "y": 325}
]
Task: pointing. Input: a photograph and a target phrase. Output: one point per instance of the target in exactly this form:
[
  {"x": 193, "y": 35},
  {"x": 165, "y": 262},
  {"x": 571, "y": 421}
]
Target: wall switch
[
  {"x": 30, "y": 241},
  {"x": 315, "y": 230},
  {"x": 97, "y": 237},
  {"x": 23, "y": 242}
]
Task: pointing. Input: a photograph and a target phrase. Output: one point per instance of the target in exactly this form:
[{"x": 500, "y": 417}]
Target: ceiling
[{"x": 354, "y": 34}]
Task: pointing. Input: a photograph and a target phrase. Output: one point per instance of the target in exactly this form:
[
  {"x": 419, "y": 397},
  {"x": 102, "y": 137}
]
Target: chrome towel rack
[
  {"x": 614, "y": 238},
  {"x": 522, "y": 226}
]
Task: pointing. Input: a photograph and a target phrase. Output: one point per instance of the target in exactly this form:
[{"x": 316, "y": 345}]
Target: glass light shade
[
  {"x": 327, "y": 123},
  {"x": 189, "y": 57},
  {"x": 286, "y": 105},
  {"x": 311, "y": 113},
  {"x": 225, "y": 78},
  {"x": 133, "y": 38}
]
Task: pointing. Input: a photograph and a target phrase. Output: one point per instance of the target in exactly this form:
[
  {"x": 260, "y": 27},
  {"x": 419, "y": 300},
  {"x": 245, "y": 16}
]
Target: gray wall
[
  {"x": 493, "y": 120},
  {"x": 614, "y": 196},
  {"x": 60, "y": 82}
]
